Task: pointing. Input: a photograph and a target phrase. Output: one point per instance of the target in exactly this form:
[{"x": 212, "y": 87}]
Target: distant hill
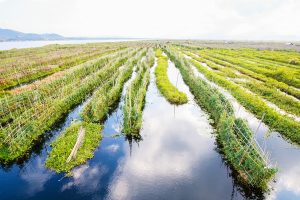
[{"x": 11, "y": 35}]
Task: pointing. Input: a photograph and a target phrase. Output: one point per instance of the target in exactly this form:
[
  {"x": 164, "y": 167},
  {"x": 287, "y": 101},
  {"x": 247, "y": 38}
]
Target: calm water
[
  {"x": 177, "y": 158},
  {"x": 30, "y": 44}
]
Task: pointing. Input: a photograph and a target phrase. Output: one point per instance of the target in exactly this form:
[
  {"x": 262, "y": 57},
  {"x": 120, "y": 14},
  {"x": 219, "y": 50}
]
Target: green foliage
[
  {"x": 233, "y": 135},
  {"x": 63, "y": 145},
  {"x": 172, "y": 94},
  {"x": 15, "y": 105},
  {"x": 93, "y": 114},
  {"x": 44, "y": 61},
  {"x": 135, "y": 97},
  {"x": 108, "y": 95},
  {"x": 266, "y": 91},
  {"x": 244, "y": 157},
  {"x": 22, "y": 133},
  {"x": 284, "y": 74},
  {"x": 268, "y": 81},
  {"x": 278, "y": 122}
]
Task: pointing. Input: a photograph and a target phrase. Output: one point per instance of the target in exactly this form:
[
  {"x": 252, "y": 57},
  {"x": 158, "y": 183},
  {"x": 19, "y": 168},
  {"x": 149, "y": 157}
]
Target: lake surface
[
  {"x": 31, "y": 44},
  {"x": 177, "y": 158}
]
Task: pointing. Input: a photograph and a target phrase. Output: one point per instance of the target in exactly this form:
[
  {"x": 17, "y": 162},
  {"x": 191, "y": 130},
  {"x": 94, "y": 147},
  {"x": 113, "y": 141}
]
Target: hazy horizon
[{"x": 252, "y": 20}]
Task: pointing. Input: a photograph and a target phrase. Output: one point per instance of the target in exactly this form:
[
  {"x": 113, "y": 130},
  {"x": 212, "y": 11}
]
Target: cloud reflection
[
  {"x": 113, "y": 148},
  {"x": 176, "y": 158},
  {"x": 85, "y": 178},
  {"x": 36, "y": 176}
]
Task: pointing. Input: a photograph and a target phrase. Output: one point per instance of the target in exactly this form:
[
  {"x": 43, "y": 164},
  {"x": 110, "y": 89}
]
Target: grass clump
[
  {"x": 63, "y": 145},
  {"x": 171, "y": 93}
]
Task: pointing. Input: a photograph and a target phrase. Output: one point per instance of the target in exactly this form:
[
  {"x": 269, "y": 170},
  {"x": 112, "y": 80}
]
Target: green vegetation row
[
  {"x": 254, "y": 56},
  {"x": 283, "y": 101},
  {"x": 170, "y": 92},
  {"x": 286, "y": 58},
  {"x": 105, "y": 98},
  {"x": 289, "y": 58},
  {"x": 239, "y": 150},
  {"x": 277, "y": 122},
  {"x": 270, "y": 82},
  {"x": 18, "y": 137},
  {"x": 16, "y": 70},
  {"x": 135, "y": 97},
  {"x": 93, "y": 115},
  {"x": 282, "y": 74},
  {"x": 13, "y": 106}
]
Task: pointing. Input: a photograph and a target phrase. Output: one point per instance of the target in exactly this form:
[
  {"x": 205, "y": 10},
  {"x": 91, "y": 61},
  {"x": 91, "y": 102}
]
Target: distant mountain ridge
[{"x": 11, "y": 35}]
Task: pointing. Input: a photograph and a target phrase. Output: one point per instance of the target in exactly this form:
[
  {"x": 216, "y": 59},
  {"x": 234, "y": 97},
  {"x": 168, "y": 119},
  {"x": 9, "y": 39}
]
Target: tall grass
[
  {"x": 104, "y": 98},
  {"x": 135, "y": 97}
]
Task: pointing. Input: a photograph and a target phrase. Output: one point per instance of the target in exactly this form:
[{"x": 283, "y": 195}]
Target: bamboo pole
[{"x": 77, "y": 145}]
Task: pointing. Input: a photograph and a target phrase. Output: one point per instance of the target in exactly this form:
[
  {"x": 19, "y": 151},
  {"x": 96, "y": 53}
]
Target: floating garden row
[
  {"x": 14, "y": 105},
  {"x": 18, "y": 70},
  {"x": 276, "y": 121},
  {"x": 18, "y": 137},
  {"x": 286, "y": 58},
  {"x": 233, "y": 135},
  {"x": 280, "y": 99},
  {"x": 135, "y": 97},
  {"x": 168, "y": 90},
  {"x": 282, "y": 74},
  {"x": 93, "y": 115}
]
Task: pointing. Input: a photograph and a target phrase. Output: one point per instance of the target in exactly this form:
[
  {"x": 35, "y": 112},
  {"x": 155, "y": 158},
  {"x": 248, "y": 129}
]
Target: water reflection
[
  {"x": 176, "y": 159},
  {"x": 35, "y": 175},
  {"x": 86, "y": 179}
]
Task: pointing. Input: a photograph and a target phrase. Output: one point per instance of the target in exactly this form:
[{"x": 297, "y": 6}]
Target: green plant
[
  {"x": 232, "y": 134},
  {"x": 63, "y": 145},
  {"x": 172, "y": 94},
  {"x": 135, "y": 97}
]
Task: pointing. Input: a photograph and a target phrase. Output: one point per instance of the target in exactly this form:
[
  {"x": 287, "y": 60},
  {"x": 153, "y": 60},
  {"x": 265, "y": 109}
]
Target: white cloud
[{"x": 215, "y": 19}]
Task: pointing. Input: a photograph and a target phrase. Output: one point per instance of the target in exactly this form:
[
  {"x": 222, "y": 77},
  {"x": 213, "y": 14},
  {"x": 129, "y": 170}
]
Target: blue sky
[{"x": 190, "y": 19}]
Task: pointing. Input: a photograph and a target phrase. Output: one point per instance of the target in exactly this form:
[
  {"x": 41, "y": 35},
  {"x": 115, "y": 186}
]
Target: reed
[{"x": 135, "y": 97}]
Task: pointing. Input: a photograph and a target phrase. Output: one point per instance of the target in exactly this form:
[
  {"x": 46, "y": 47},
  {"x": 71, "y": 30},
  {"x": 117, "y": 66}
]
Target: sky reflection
[{"x": 176, "y": 159}]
